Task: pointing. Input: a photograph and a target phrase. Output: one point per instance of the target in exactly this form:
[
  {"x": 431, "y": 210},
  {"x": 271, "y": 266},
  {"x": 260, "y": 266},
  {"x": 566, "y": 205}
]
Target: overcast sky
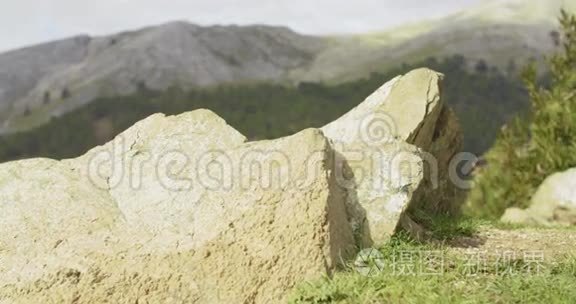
[{"x": 25, "y": 22}]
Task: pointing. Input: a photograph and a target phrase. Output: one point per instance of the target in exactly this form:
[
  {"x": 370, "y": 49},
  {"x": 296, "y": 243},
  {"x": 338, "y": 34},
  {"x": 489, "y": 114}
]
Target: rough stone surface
[
  {"x": 43, "y": 203},
  {"x": 217, "y": 231},
  {"x": 397, "y": 146},
  {"x": 554, "y": 203}
]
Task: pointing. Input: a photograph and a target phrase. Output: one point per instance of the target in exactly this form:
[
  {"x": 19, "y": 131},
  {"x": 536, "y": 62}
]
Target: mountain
[
  {"x": 48, "y": 80},
  {"x": 54, "y": 78},
  {"x": 497, "y": 31}
]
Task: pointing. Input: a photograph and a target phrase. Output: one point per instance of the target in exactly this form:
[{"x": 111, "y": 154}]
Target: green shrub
[{"x": 536, "y": 146}]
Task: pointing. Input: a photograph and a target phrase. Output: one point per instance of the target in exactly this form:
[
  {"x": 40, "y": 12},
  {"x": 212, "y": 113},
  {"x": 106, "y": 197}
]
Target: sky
[{"x": 27, "y": 22}]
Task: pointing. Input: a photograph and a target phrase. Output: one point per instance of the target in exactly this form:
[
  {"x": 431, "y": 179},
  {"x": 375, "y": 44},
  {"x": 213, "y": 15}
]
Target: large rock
[
  {"x": 182, "y": 209},
  {"x": 554, "y": 203},
  {"x": 395, "y": 151},
  {"x": 174, "y": 210}
]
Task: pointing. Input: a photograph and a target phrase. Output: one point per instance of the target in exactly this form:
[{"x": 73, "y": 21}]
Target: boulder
[
  {"x": 554, "y": 203},
  {"x": 177, "y": 209},
  {"x": 182, "y": 209},
  {"x": 395, "y": 149}
]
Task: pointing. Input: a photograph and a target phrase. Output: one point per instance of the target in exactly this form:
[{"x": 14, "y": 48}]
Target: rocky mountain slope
[{"x": 43, "y": 81}]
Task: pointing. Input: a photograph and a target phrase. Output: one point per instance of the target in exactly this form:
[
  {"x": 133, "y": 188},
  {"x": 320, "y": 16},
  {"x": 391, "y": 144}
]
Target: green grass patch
[
  {"x": 447, "y": 227},
  {"x": 432, "y": 275}
]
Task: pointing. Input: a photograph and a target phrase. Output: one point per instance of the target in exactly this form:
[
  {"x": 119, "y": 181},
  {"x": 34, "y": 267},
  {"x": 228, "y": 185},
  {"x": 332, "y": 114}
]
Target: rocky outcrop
[
  {"x": 183, "y": 209},
  {"x": 554, "y": 203},
  {"x": 396, "y": 147},
  {"x": 176, "y": 208}
]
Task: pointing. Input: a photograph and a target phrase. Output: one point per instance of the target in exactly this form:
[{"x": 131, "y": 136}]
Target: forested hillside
[{"x": 484, "y": 98}]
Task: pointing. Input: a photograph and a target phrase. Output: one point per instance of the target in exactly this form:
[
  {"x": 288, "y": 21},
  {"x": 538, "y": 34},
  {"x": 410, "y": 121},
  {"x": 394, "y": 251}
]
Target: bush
[{"x": 536, "y": 146}]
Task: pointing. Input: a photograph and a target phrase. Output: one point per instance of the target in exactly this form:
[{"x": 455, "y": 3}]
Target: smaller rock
[
  {"x": 515, "y": 216},
  {"x": 395, "y": 149},
  {"x": 553, "y": 204}
]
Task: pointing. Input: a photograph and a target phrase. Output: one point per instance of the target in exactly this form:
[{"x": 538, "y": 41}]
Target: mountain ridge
[
  {"x": 47, "y": 80},
  {"x": 172, "y": 54}
]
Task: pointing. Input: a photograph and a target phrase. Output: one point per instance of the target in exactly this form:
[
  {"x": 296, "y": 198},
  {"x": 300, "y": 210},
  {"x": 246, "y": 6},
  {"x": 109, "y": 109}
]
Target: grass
[
  {"x": 447, "y": 227},
  {"x": 447, "y": 278}
]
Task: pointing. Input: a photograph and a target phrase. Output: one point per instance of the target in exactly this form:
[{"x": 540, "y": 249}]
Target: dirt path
[{"x": 551, "y": 244}]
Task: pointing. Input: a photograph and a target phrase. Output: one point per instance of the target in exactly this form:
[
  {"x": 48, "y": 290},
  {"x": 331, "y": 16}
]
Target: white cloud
[{"x": 25, "y": 22}]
